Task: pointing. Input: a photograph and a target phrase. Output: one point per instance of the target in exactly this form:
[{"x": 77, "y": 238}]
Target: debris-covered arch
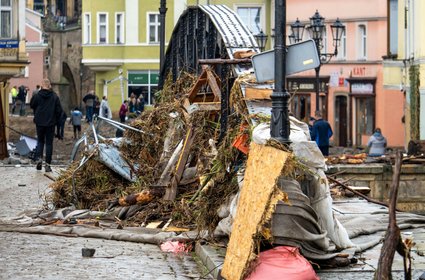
[{"x": 206, "y": 32}]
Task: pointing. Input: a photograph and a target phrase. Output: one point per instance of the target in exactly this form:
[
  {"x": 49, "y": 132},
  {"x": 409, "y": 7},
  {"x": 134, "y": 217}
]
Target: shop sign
[
  {"x": 143, "y": 78},
  {"x": 362, "y": 88}
]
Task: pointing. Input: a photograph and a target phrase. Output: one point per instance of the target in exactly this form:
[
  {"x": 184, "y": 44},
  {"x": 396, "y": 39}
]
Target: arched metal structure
[
  {"x": 209, "y": 32},
  {"x": 206, "y": 32}
]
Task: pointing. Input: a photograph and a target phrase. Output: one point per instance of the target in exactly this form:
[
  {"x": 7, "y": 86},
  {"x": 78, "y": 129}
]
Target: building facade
[
  {"x": 13, "y": 57},
  {"x": 404, "y": 64},
  {"x": 121, "y": 44},
  {"x": 36, "y": 48}
]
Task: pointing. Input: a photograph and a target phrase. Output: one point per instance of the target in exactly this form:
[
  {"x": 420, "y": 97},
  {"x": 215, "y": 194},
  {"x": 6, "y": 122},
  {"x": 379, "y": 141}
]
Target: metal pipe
[
  {"x": 279, "y": 126},
  {"x": 121, "y": 124},
  {"x": 317, "y": 69}
]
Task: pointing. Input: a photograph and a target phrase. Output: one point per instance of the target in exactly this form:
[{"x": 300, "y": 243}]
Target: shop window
[
  {"x": 143, "y": 82},
  {"x": 300, "y": 107}
]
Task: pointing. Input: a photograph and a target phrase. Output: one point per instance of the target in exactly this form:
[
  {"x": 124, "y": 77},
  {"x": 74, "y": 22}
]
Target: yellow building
[
  {"x": 13, "y": 57},
  {"x": 121, "y": 44},
  {"x": 404, "y": 66}
]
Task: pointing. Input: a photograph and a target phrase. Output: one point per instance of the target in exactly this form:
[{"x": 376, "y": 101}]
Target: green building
[{"x": 120, "y": 42}]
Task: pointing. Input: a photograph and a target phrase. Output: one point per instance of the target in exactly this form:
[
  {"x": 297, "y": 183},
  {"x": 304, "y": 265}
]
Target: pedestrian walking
[
  {"x": 60, "y": 126},
  {"x": 21, "y": 99},
  {"x": 14, "y": 94},
  {"x": 321, "y": 132},
  {"x": 376, "y": 144},
  {"x": 47, "y": 111},
  {"x": 123, "y": 111},
  {"x": 35, "y": 91},
  {"x": 89, "y": 100},
  {"x": 75, "y": 120},
  {"x": 105, "y": 110},
  {"x": 140, "y": 104}
]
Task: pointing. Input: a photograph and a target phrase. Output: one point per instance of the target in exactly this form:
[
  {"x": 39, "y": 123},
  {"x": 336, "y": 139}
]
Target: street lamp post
[
  {"x": 316, "y": 29},
  {"x": 279, "y": 125}
]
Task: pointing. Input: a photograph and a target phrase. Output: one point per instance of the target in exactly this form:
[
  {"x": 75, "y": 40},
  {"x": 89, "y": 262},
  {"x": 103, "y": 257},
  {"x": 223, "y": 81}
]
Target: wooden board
[
  {"x": 257, "y": 93},
  {"x": 264, "y": 166}
]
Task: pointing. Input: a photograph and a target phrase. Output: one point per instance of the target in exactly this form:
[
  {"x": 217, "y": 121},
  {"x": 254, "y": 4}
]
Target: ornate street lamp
[
  {"x": 261, "y": 39},
  {"x": 316, "y": 29},
  {"x": 297, "y": 29}
]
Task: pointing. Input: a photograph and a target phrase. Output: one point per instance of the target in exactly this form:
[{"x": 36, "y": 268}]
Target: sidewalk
[{"x": 47, "y": 256}]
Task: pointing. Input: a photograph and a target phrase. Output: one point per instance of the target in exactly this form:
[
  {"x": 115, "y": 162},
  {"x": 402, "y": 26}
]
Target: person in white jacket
[
  {"x": 105, "y": 110},
  {"x": 377, "y": 144}
]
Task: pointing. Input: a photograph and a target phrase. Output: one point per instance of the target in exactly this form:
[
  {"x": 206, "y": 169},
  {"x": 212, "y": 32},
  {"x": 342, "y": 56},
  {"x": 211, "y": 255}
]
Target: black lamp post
[
  {"x": 279, "y": 126},
  {"x": 261, "y": 39},
  {"x": 316, "y": 29}
]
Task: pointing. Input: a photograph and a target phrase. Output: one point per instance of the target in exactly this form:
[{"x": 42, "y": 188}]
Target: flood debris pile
[{"x": 177, "y": 169}]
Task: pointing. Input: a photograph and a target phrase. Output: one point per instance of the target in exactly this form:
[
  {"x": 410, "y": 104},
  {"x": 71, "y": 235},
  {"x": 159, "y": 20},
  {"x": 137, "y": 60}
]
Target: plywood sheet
[
  {"x": 264, "y": 166},
  {"x": 257, "y": 93}
]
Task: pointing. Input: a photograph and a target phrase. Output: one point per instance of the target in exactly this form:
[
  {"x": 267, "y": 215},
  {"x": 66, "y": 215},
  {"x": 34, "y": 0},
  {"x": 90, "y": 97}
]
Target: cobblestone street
[{"x": 36, "y": 256}]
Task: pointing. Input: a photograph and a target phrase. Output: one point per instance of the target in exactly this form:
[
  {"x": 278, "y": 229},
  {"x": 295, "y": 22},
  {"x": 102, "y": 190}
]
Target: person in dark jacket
[
  {"x": 47, "y": 112},
  {"x": 377, "y": 144},
  {"x": 321, "y": 132},
  {"x": 22, "y": 96},
  {"x": 60, "y": 126}
]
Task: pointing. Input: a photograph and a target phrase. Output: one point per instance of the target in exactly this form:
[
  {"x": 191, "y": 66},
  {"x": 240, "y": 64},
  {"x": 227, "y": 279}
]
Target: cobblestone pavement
[{"x": 36, "y": 256}]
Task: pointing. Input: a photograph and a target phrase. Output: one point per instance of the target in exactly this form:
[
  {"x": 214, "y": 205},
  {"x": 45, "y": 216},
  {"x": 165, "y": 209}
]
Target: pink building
[
  {"x": 36, "y": 49},
  {"x": 352, "y": 95}
]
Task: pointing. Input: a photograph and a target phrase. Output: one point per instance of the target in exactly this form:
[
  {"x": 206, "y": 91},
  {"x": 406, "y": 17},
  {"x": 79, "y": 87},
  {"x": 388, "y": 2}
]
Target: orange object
[{"x": 241, "y": 143}]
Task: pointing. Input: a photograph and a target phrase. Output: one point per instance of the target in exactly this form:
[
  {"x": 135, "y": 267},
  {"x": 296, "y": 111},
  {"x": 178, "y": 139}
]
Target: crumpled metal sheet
[{"x": 111, "y": 157}]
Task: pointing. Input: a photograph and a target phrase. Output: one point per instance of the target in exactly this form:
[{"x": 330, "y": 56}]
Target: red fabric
[{"x": 283, "y": 262}]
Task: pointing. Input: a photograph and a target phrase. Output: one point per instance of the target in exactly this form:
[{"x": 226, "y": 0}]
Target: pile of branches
[{"x": 94, "y": 186}]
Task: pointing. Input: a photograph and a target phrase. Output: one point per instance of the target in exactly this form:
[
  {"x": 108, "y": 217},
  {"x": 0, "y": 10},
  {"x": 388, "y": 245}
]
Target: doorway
[{"x": 341, "y": 121}]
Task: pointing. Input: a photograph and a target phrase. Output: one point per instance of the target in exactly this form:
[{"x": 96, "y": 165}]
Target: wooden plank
[
  {"x": 214, "y": 84},
  {"x": 264, "y": 166},
  {"x": 257, "y": 93},
  {"x": 202, "y": 80},
  {"x": 171, "y": 191},
  {"x": 204, "y": 106}
]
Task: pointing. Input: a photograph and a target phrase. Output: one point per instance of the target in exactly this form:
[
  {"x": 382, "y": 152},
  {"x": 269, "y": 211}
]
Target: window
[
  {"x": 5, "y": 19},
  {"x": 102, "y": 28},
  {"x": 342, "y": 49},
  {"x": 119, "y": 28},
  {"x": 143, "y": 82},
  {"x": 87, "y": 29},
  {"x": 362, "y": 41},
  {"x": 251, "y": 17},
  {"x": 153, "y": 26},
  {"x": 300, "y": 107},
  {"x": 39, "y": 6},
  {"x": 393, "y": 32}
]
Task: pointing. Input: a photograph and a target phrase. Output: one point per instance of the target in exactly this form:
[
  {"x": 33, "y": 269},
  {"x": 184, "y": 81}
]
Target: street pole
[
  {"x": 317, "y": 69},
  {"x": 162, "y": 12},
  {"x": 279, "y": 126}
]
